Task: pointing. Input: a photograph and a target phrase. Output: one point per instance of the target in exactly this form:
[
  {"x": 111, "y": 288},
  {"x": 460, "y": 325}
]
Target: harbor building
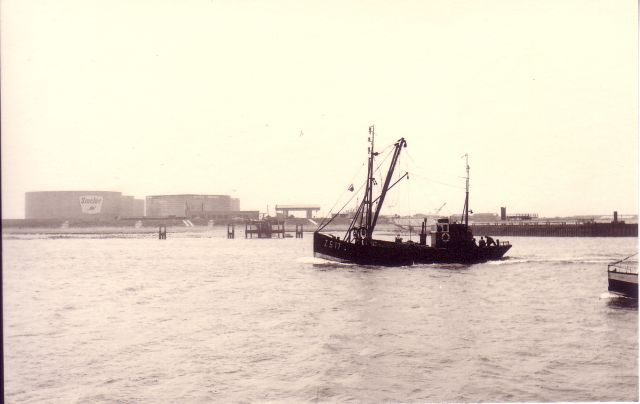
[
  {"x": 196, "y": 206},
  {"x": 285, "y": 210},
  {"x": 83, "y": 205}
]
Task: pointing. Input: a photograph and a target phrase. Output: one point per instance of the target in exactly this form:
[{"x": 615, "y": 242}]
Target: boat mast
[
  {"x": 369, "y": 192},
  {"x": 396, "y": 153},
  {"x": 363, "y": 216},
  {"x": 465, "y": 211}
]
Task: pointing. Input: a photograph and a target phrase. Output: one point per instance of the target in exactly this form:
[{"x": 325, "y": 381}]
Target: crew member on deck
[
  {"x": 490, "y": 241},
  {"x": 398, "y": 238},
  {"x": 482, "y": 242}
]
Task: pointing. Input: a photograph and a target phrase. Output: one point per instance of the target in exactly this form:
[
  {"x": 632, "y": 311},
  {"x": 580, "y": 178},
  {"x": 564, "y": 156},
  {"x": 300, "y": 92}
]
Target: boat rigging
[{"x": 450, "y": 242}]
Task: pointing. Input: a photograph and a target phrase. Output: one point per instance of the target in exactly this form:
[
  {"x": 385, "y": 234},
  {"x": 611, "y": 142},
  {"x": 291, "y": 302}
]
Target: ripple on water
[{"x": 132, "y": 319}]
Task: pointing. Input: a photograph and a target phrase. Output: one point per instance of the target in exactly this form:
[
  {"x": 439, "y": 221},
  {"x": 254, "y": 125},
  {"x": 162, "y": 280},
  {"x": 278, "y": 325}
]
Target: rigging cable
[
  {"x": 624, "y": 259},
  {"x": 378, "y": 169},
  {"x": 322, "y": 224},
  {"x": 430, "y": 170},
  {"x": 437, "y": 182},
  {"x": 405, "y": 165}
]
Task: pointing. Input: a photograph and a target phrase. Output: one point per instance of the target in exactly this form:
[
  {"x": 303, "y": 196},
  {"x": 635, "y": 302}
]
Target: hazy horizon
[{"x": 270, "y": 102}]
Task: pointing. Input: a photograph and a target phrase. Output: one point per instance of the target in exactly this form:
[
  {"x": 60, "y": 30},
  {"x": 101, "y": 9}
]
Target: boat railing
[
  {"x": 623, "y": 269},
  {"x": 626, "y": 265},
  {"x": 503, "y": 243}
]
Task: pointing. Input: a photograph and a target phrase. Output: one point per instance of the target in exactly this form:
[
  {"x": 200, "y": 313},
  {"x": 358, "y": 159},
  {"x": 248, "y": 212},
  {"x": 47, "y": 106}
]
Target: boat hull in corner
[
  {"x": 389, "y": 253},
  {"x": 623, "y": 283}
]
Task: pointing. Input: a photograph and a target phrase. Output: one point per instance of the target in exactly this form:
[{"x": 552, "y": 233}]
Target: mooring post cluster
[{"x": 264, "y": 228}]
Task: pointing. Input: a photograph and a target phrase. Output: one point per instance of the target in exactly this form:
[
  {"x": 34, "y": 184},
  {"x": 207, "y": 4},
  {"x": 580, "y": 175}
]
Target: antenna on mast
[
  {"x": 369, "y": 192},
  {"x": 465, "y": 211}
]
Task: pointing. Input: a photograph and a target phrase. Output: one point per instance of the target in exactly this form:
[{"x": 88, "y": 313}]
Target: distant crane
[{"x": 437, "y": 211}]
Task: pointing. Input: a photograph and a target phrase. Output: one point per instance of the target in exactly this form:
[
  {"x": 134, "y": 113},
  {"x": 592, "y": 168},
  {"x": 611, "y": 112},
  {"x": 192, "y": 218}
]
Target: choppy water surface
[{"x": 202, "y": 319}]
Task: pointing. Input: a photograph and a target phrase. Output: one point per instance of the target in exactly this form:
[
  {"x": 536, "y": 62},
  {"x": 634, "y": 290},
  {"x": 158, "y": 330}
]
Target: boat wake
[
  {"x": 442, "y": 266},
  {"x": 619, "y": 302},
  {"x": 552, "y": 261},
  {"x": 608, "y": 295},
  {"x": 323, "y": 263}
]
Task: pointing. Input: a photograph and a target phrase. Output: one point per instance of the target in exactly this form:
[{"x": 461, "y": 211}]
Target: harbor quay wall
[
  {"x": 614, "y": 229},
  {"x": 150, "y": 225},
  {"x": 541, "y": 229}
]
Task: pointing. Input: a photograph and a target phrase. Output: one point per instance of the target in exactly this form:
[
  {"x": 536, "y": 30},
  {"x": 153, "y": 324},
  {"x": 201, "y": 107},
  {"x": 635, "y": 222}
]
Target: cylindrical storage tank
[{"x": 84, "y": 205}]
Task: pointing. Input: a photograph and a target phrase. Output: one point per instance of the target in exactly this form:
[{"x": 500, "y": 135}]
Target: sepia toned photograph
[{"x": 217, "y": 201}]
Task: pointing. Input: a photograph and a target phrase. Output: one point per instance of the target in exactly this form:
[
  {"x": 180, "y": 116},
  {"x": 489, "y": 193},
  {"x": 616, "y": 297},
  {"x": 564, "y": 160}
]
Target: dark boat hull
[
  {"x": 397, "y": 254},
  {"x": 622, "y": 283}
]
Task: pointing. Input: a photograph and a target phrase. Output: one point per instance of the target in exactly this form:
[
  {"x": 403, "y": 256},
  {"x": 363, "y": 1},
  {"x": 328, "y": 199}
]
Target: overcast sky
[{"x": 270, "y": 101}]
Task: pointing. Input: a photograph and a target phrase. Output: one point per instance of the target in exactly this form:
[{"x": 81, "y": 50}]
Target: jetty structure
[
  {"x": 534, "y": 227},
  {"x": 265, "y": 228},
  {"x": 450, "y": 242}
]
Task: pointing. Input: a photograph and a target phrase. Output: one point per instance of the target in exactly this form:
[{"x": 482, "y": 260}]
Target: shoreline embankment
[{"x": 178, "y": 225}]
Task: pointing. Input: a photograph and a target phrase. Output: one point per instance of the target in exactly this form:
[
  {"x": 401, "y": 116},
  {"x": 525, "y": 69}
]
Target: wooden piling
[
  {"x": 231, "y": 230},
  {"x": 299, "y": 230},
  {"x": 279, "y": 229},
  {"x": 162, "y": 232},
  {"x": 264, "y": 228}
]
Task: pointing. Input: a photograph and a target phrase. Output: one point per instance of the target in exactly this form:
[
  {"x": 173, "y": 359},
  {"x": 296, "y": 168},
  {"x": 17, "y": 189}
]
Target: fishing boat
[
  {"x": 450, "y": 242},
  {"x": 623, "y": 276}
]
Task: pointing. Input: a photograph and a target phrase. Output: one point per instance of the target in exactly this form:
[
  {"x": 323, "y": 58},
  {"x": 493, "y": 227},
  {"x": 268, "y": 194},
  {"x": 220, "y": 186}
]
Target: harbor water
[{"x": 199, "y": 318}]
